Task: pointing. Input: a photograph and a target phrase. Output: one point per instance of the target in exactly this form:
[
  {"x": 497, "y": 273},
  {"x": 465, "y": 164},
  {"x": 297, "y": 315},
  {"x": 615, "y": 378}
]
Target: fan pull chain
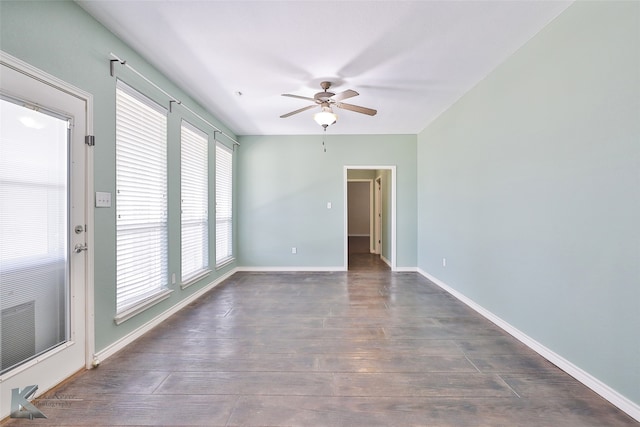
[{"x": 324, "y": 147}]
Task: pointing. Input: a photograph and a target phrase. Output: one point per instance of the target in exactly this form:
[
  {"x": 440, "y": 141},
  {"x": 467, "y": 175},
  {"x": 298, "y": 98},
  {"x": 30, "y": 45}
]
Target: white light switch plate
[{"x": 103, "y": 199}]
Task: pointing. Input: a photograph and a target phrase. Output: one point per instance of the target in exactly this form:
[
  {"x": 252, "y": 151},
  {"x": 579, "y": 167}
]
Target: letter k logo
[{"x": 21, "y": 407}]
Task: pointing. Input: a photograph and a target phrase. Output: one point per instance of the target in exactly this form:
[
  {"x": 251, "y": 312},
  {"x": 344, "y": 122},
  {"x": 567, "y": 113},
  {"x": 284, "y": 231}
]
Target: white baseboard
[
  {"x": 617, "y": 399},
  {"x": 302, "y": 269},
  {"x": 319, "y": 269},
  {"x": 406, "y": 269},
  {"x": 386, "y": 261},
  {"x": 137, "y": 333}
]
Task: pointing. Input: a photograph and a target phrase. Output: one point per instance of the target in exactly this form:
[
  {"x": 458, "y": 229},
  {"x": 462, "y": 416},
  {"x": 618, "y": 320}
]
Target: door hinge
[{"x": 90, "y": 140}]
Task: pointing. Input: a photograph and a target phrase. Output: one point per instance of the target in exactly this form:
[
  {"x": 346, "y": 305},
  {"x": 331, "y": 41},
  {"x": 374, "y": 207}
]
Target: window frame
[
  {"x": 189, "y": 152},
  {"x": 145, "y": 207},
  {"x": 224, "y": 207}
]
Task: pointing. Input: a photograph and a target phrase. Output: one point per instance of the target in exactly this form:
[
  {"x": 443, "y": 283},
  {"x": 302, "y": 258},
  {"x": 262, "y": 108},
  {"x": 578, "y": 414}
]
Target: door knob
[{"x": 79, "y": 248}]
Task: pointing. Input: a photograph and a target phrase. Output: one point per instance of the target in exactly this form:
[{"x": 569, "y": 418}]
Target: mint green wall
[
  {"x": 286, "y": 182},
  {"x": 530, "y": 187},
  {"x": 62, "y": 40}
]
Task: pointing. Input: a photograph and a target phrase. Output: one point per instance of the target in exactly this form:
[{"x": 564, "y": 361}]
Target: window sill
[
  {"x": 190, "y": 281},
  {"x": 225, "y": 262},
  {"x": 142, "y": 306}
]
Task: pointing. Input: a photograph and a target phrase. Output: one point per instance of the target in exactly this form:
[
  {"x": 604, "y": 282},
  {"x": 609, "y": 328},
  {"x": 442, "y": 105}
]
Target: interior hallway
[
  {"x": 364, "y": 348},
  {"x": 361, "y": 258}
]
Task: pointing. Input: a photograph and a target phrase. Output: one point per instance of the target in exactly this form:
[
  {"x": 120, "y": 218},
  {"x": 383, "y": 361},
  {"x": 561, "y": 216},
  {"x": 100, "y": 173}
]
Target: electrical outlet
[{"x": 294, "y": 250}]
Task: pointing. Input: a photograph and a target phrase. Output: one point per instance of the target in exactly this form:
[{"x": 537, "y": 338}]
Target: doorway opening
[{"x": 369, "y": 218}]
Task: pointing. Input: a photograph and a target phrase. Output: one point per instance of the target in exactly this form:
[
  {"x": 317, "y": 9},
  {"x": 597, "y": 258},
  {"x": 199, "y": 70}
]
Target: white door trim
[
  {"x": 37, "y": 74},
  {"x": 377, "y": 248},
  {"x": 371, "y": 208},
  {"x": 392, "y": 190}
]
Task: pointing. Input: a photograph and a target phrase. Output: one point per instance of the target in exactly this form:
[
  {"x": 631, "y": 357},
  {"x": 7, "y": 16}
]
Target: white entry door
[{"x": 43, "y": 256}]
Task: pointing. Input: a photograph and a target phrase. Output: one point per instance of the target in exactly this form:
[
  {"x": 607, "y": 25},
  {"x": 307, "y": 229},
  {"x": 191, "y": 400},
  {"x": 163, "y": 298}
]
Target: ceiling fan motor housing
[{"x": 322, "y": 97}]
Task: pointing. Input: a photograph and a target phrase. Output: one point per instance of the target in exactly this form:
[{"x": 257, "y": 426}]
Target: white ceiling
[{"x": 410, "y": 60}]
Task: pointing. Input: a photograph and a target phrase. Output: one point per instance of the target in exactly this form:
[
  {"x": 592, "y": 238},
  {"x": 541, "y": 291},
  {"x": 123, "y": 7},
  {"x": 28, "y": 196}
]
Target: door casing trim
[{"x": 392, "y": 232}]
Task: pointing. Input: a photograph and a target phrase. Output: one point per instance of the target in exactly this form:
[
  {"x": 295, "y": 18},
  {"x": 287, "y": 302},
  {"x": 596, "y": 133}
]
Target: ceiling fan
[{"x": 325, "y": 100}]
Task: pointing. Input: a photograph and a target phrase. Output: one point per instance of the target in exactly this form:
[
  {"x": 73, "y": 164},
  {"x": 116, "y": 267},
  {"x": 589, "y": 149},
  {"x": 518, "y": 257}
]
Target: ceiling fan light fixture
[
  {"x": 326, "y": 117},
  {"x": 326, "y": 100}
]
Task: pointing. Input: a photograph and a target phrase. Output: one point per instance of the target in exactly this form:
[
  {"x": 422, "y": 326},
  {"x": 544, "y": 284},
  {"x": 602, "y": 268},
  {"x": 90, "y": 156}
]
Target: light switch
[
  {"x": 103, "y": 199},
  {"x": 328, "y": 205}
]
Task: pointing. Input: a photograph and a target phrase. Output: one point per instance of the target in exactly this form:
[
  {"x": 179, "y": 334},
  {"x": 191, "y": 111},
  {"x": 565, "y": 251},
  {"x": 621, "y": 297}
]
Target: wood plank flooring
[
  {"x": 358, "y": 348},
  {"x": 360, "y": 257}
]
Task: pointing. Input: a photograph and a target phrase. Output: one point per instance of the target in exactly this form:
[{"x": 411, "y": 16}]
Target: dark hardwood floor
[
  {"x": 361, "y": 258},
  {"x": 357, "y": 348}
]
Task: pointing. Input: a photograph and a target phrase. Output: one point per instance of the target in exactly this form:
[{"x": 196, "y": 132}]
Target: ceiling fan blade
[
  {"x": 356, "y": 108},
  {"x": 344, "y": 95},
  {"x": 299, "y": 97},
  {"x": 284, "y": 116}
]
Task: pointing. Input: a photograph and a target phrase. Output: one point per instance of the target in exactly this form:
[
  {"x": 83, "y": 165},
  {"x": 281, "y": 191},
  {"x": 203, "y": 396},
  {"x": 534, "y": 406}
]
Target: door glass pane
[{"x": 34, "y": 283}]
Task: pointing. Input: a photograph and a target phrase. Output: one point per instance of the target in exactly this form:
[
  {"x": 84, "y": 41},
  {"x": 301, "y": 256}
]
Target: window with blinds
[
  {"x": 194, "y": 186},
  {"x": 35, "y": 148},
  {"x": 141, "y": 198},
  {"x": 224, "y": 203}
]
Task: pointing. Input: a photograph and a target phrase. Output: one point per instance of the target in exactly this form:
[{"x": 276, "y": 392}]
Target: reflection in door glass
[{"x": 34, "y": 279}]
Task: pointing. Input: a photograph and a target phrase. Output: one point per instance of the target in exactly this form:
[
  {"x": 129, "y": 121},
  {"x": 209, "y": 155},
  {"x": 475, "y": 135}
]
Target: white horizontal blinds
[
  {"x": 34, "y": 203},
  {"x": 224, "y": 203},
  {"x": 141, "y": 197},
  {"x": 194, "y": 189}
]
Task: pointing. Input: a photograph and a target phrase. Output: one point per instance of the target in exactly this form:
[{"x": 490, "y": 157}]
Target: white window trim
[
  {"x": 142, "y": 305},
  {"x": 223, "y": 262},
  {"x": 194, "y": 279},
  {"x": 156, "y": 295},
  {"x": 205, "y": 270}
]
